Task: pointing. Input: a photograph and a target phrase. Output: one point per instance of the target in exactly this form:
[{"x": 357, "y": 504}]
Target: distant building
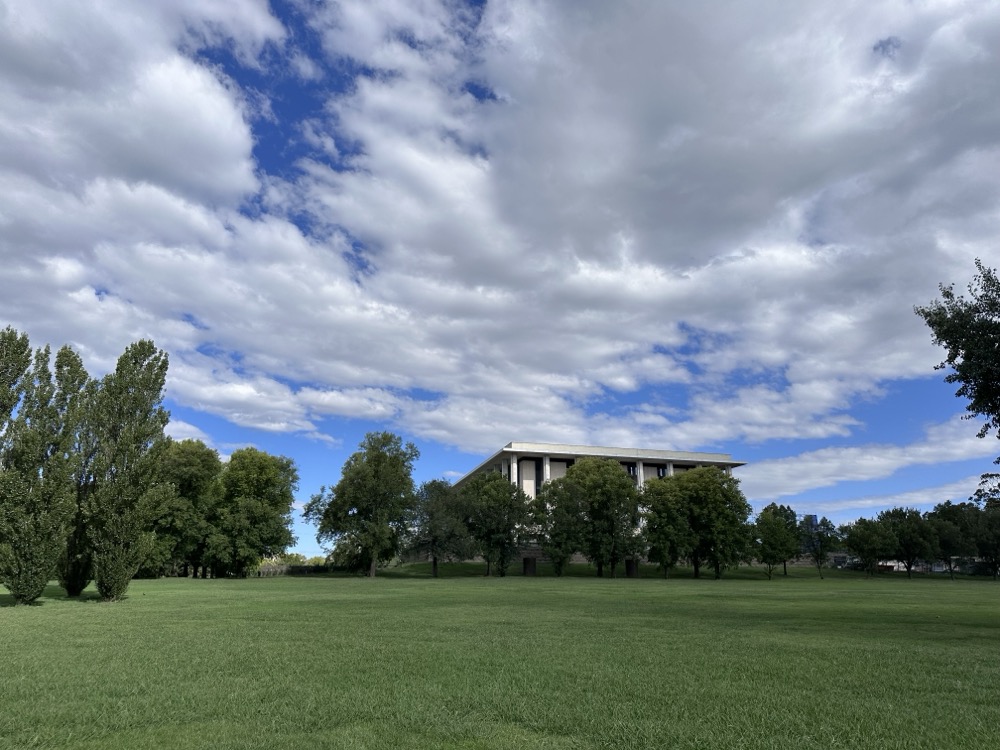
[{"x": 530, "y": 465}]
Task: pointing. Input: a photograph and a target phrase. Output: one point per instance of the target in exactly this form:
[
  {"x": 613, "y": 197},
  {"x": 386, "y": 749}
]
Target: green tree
[
  {"x": 988, "y": 538},
  {"x": 667, "y": 528},
  {"x": 438, "y": 525},
  {"x": 611, "y": 511},
  {"x": 774, "y": 542},
  {"x": 915, "y": 539},
  {"x": 182, "y": 519},
  {"x": 953, "y": 525},
  {"x": 819, "y": 539},
  {"x": 559, "y": 516},
  {"x": 253, "y": 514},
  {"x": 788, "y": 515},
  {"x": 717, "y": 514},
  {"x": 870, "y": 541},
  {"x": 498, "y": 514},
  {"x": 129, "y": 419},
  {"x": 35, "y": 497},
  {"x": 969, "y": 330},
  {"x": 365, "y": 514}
]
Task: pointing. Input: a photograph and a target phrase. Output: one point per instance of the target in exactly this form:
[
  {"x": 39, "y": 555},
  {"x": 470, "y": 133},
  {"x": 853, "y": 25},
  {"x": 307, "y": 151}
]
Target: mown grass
[{"x": 465, "y": 662}]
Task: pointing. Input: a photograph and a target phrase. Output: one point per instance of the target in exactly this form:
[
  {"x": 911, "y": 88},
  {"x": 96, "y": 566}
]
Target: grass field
[{"x": 465, "y": 662}]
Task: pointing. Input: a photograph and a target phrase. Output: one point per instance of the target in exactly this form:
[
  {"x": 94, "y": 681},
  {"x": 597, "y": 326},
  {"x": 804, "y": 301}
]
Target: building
[{"x": 530, "y": 465}]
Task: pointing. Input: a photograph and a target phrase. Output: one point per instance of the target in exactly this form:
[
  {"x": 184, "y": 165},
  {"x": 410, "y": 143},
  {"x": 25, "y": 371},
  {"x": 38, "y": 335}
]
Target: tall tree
[
  {"x": 438, "y": 525},
  {"x": 717, "y": 514},
  {"x": 667, "y": 528},
  {"x": 498, "y": 513},
  {"x": 969, "y": 330},
  {"x": 183, "y": 521},
  {"x": 365, "y": 514},
  {"x": 915, "y": 539},
  {"x": 559, "y": 515},
  {"x": 819, "y": 539},
  {"x": 254, "y": 511},
  {"x": 953, "y": 526},
  {"x": 35, "y": 470},
  {"x": 787, "y": 514},
  {"x": 611, "y": 511},
  {"x": 870, "y": 541},
  {"x": 774, "y": 542},
  {"x": 34, "y": 488},
  {"x": 129, "y": 419}
]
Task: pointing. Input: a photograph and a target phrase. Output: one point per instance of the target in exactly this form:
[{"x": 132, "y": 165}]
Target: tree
[
  {"x": 559, "y": 515},
  {"x": 129, "y": 420},
  {"x": 787, "y": 514},
  {"x": 915, "y": 539},
  {"x": 953, "y": 526},
  {"x": 667, "y": 529},
  {"x": 988, "y": 539},
  {"x": 183, "y": 520},
  {"x": 871, "y": 541},
  {"x": 498, "y": 512},
  {"x": 439, "y": 531},
  {"x": 34, "y": 466},
  {"x": 365, "y": 514},
  {"x": 717, "y": 514},
  {"x": 611, "y": 511},
  {"x": 819, "y": 539},
  {"x": 251, "y": 519},
  {"x": 969, "y": 330},
  {"x": 774, "y": 541}
]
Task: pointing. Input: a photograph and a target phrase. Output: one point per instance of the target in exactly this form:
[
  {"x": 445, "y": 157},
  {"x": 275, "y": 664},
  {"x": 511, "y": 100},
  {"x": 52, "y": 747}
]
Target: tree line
[{"x": 92, "y": 490}]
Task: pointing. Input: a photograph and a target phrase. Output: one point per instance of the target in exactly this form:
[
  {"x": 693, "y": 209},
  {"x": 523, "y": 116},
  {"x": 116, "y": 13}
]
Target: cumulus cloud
[
  {"x": 943, "y": 443},
  {"x": 656, "y": 224}
]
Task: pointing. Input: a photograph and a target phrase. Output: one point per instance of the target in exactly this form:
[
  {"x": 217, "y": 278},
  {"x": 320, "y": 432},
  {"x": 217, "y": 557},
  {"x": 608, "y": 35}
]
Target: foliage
[
  {"x": 560, "y": 517},
  {"x": 365, "y": 514},
  {"x": 969, "y": 330},
  {"x": 129, "y": 418},
  {"x": 183, "y": 520},
  {"x": 774, "y": 542},
  {"x": 819, "y": 539},
  {"x": 252, "y": 519},
  {"x": 35, "y": 480},
  {"x": 915, "y": 538},
  {"x": 668, "y": 533},
  {"x": 498, "y": 513},
  {"x": 716, "y": 513},
  {"x": 610, "y": 509},
  {"x": 870, "y": 541},
  {"x": 438, "y": 527}
]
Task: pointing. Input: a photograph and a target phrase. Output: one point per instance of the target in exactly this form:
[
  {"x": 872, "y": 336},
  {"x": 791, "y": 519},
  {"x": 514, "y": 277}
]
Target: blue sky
[{"x": 666, "y": 225}]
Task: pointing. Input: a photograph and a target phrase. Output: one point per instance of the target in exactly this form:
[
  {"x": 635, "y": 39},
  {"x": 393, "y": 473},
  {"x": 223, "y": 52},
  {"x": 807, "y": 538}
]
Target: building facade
[{"x": 530, "y": 465}]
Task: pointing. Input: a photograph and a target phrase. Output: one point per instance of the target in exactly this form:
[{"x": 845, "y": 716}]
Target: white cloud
[
  {"x": 943, "y": 443},
  {"x": 671, "y": 225}
]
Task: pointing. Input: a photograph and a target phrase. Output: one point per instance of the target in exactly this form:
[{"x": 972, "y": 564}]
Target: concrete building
[{"x": 530, "y": 465}]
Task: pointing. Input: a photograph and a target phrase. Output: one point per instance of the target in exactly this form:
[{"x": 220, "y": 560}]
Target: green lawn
[{"x": 466, "y": 662}]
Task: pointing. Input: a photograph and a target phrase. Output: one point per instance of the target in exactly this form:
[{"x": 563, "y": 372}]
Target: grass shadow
[{"x": 52, "y": 593}]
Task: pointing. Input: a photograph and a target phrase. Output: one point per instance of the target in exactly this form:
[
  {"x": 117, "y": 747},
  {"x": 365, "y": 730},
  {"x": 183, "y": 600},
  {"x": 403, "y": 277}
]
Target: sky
[{"x": 673, "y": 225}]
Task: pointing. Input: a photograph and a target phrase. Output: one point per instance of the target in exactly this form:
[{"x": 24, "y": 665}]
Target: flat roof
[{"x": 567, "y": 450}]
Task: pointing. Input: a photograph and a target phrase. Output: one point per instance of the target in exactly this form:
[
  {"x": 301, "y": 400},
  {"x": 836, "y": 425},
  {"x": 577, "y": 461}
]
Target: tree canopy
[{"x": 365, "y": 514}]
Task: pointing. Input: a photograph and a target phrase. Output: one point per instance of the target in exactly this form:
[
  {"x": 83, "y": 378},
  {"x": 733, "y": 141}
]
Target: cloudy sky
[{"x": 699, "y": 226}]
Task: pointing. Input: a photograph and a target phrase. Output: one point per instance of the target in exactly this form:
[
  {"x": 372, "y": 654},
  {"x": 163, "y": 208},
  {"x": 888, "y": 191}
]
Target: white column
[
  {"x": 513, "y": 471},
  {"x": 546, "y": 470},
  {"x": 639, "y": 476},
  {"x": 670, "y": 468}
]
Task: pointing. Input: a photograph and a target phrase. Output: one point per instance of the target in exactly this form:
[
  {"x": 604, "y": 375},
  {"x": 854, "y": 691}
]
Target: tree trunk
[
  {"x": 718, "y": 571},
  {"x": 371, "y": 568},
  {"x": 614, "y": 567},
  {"x": 487, "y": 568},
  {"x": 600, "y": 570},
  {"x": 784, "y": 564},
  {"x": 434, "y": 566},
  {"x": 696, "y": 564}
]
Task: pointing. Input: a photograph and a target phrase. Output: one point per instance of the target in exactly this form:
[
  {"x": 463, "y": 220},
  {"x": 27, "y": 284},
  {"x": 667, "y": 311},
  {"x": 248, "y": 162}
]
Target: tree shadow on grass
[{"x": 52, "y": 593}]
